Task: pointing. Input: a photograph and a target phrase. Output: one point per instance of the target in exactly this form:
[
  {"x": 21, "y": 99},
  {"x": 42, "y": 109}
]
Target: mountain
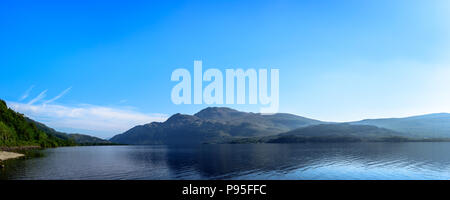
[
  {"x": 211, "y": 125},
  {"x": 16, "y": 130},
  {"x": 342, "y": 132},
  {"x": 48, "y": 130},
  {"x": 75, "y": 138},
  {"x": 342, "y": 129},
  {"x": 337, "y": 132},
  {"x": 423, "y": 126},
  {"x": 258, "y": 124},
  {"x": 178, "y": 129},
  {"x": 88, "y": 140}
]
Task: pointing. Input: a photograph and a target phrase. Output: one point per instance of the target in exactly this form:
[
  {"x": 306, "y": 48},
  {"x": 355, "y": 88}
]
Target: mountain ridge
[
  {"x": 78, "y": 138},
  {"x": 211, "y": 124},
  {"x": 428, "y": 125},
  {"x": 225, "y": 125}
]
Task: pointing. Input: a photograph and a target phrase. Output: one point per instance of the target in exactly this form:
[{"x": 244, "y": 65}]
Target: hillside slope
[
  {"x": 16, "y": 130},
  {"x": 75, "y": 137}
]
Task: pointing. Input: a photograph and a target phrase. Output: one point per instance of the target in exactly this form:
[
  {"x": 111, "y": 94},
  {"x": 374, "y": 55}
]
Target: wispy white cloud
[
  {"x": 96, "y": 120},
  {"x": 38, "y": 98},
  {"x": 59, "y": 96},
  {"x": 26, "y": 94}
]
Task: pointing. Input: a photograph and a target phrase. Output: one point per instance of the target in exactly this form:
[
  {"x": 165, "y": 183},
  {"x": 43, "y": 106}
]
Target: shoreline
[
  {"x": 8, "y": 153},
  {"x": 5, "y": 155},
  {"x": 19, "y": 148}
]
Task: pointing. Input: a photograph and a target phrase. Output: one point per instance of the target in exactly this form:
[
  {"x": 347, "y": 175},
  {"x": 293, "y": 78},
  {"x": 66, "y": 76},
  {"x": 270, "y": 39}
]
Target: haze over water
[{"x": 246, "y": 161}]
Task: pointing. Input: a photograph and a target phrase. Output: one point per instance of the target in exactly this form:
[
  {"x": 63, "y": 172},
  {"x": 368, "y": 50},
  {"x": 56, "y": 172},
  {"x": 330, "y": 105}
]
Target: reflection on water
[{"x": 239, "y": 161}]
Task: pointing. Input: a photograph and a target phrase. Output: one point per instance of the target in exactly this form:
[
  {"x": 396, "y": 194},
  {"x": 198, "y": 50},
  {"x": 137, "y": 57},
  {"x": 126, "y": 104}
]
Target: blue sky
[{"x": 101, "y": 67}]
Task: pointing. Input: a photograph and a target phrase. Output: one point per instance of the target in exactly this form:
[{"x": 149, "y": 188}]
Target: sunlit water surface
[{"x": 239, "y": 161}]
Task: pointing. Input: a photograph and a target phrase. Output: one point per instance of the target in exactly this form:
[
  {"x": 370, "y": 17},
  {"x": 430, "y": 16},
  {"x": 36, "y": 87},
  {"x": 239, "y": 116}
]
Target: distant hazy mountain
[
  {"x": 48, "y": 130},
  {"x": 77, "y": 138},
  {"x": 428, "y": 126},
  {"x": 338, "y": 133},
  {"x": 342, "y": 129},
  {"x": 211, "y": 125},
  {"x": 87, "y": 139}
]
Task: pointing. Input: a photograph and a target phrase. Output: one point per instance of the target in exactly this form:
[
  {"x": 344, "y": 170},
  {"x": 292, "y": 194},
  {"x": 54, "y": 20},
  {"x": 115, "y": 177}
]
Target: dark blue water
[{"x": 247, "y": 161}]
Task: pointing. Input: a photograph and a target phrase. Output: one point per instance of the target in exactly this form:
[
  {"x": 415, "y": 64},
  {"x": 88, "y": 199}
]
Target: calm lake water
[{"x": 239, "y": 161}]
